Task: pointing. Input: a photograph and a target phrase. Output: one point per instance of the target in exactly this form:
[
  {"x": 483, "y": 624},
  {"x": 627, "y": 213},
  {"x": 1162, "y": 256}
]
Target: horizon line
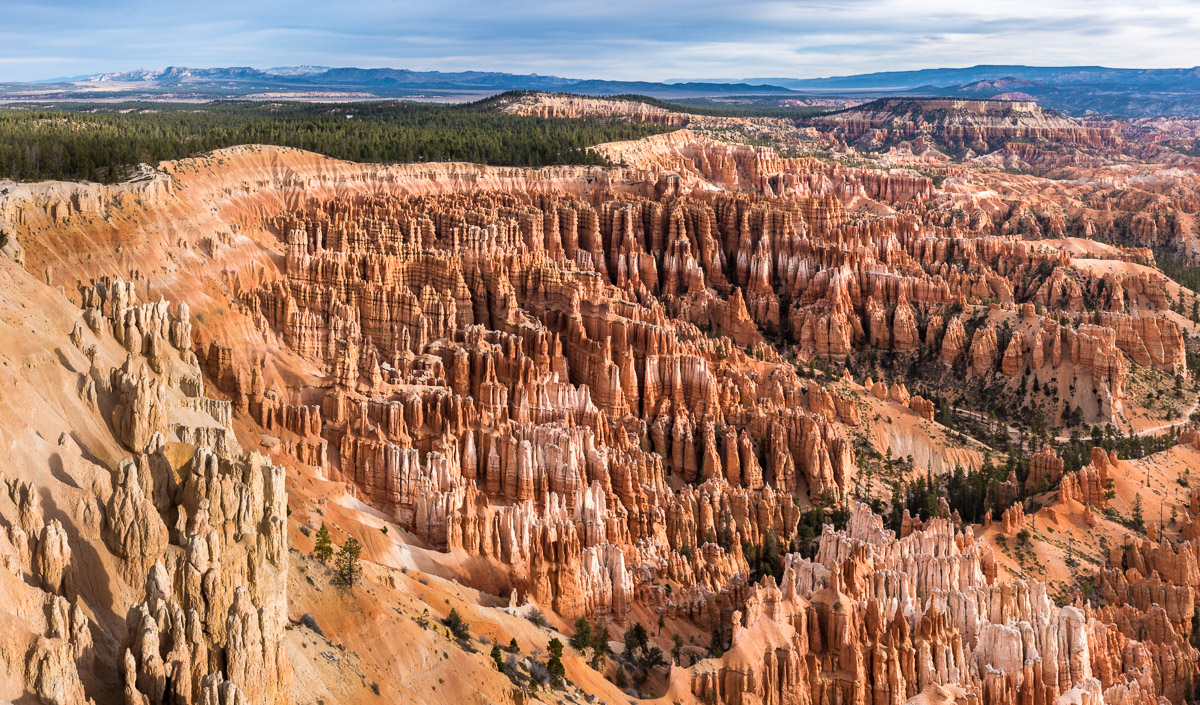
[{"x": 667, "y": 81}]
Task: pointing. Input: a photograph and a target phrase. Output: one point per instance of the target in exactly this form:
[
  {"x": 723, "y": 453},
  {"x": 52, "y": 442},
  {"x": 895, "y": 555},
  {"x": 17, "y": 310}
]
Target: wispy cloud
[{"x": 619, "y": 39}]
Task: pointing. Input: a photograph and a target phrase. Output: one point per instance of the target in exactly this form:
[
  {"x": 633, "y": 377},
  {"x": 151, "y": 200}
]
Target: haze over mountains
[
  {"x": 236, "y": 82},
  {"x": 1076, "y": 90},
  {"x": 950, "y": 77}
]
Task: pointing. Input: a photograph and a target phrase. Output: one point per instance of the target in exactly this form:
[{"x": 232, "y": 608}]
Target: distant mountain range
[
  {"x": 178, "y": 82},
  {"x": 1077, "y": 90},
  {"x": 949, "y": 78}
]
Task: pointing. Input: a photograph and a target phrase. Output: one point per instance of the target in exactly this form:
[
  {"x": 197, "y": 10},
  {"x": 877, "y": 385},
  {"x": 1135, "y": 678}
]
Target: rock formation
[
  {"x": 979, "y": 125},
  {"x": 164, "y": 582},
  {"x": 910, "y": 614},
  {"x": 614, "y": 393}
]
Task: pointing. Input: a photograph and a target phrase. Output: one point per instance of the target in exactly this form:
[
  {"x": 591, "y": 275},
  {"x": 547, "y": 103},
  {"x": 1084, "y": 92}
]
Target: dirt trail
[
  {"x": 1186, "y": 415},
  {"x": 1015, "y": 432}
]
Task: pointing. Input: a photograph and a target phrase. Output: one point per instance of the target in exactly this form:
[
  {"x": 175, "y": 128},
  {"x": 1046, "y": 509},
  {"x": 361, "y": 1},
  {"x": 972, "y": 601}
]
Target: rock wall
[
  {"x": 164, "y": 579},
  {"x": 593, "y": 384},
  {"x": 880, "y": 619},
  {"x": 493, "y": 356},
  {"x": 979, "y": 125}
]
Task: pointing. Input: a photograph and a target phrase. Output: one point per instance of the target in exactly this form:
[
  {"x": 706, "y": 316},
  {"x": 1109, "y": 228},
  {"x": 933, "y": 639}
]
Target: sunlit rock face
[{"x": 601, "y": 392}]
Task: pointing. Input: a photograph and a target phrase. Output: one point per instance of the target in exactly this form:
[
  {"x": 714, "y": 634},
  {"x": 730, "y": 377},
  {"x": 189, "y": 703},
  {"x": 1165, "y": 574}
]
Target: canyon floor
[{"x": 892, "y": 405}]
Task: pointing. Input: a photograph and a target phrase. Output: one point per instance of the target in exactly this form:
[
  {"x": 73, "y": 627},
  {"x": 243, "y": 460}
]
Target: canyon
[{"x": 682, "y": 391}]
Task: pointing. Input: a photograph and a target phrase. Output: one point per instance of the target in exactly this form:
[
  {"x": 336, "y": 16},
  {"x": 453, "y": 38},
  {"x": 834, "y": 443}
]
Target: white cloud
[{"x": 619, "y": 39}]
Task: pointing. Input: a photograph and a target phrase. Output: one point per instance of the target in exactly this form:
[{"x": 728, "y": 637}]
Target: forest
[
  {"x": 101, "y": 142},
  {"x": 733, "y": 106}
]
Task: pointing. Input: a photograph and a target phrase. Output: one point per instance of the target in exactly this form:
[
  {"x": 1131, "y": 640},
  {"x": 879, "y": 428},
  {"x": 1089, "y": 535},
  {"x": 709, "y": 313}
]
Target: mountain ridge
[
  {"x": 1076, "y": 90},
  {"x": 947, "y": 77}
]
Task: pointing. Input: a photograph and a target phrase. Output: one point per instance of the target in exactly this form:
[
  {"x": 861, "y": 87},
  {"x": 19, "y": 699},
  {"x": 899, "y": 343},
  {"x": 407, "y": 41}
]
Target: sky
[{"x": 611, "y": 39}]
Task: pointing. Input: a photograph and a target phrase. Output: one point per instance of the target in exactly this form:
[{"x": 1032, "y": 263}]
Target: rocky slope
[
  {"x": 785, "y": 134},
  {"x": 880, "y": 619},
  {"x": 960, "y": 125},
  {"x": 145, "y": 553},
  {"x": 587, "y": 391},
  {"x": 577, "y": 106}
]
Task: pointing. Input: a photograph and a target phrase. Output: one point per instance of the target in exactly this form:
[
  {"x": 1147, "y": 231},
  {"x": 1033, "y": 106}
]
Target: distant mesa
[{"x": 960, "y": 124}]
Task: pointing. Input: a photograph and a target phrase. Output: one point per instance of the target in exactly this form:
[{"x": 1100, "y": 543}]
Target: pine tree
[
  {"x": 1139, "y": 522},
  {"x": 457, "y": 625},
  {"x": 635, "y": 639},
  {"x": 770, "y": 557},
  {"x": 555, "y": 664},
  {"x": 896, "y": 516},
  {"x": 582, "y": 638},
  {"x": 600, "y": 648},
  {"x": 653, "y": 659},
  {"x": 323, "y": 550},
  {"x": 347, "y": 567}
]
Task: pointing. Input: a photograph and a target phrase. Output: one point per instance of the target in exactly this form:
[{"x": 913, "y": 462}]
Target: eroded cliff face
[
  {"x": 576, "y": 106},
  {"x": 162, "y": 579},
  {"x": 879, "y": 619},
  {"x": 579, "y": 389},
  {"x": 549, "y": 384},
  {"x": 499, "y": 397},
  {"x": 978, "y": 125}
]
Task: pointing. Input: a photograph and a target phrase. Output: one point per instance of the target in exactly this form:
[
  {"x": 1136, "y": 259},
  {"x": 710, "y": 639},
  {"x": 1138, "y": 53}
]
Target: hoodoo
[{"x": 743, "y": 405}]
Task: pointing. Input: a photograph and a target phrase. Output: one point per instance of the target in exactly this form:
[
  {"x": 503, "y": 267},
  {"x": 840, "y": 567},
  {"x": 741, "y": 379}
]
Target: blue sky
[{"x": 614, "y": 39}]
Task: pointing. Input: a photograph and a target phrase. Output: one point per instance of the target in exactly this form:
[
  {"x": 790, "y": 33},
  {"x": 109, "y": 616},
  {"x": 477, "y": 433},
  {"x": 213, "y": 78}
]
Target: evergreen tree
[
  {"x": 635, "y": 639},
  {"x": 896, "y": 515},
  {"x": 770, "y": 564},
  {"x": 102, "y": 141},
  {"x": 347, "y": 567},
  {"x": 323, "y": 549},
  {"x": 582, "y": 638},
  {"x": 600, "y": 648},
  {"x": 457, "y": 625},
  {"x": 653, "y": 659},
  {"x": 555, "y": 664}
]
